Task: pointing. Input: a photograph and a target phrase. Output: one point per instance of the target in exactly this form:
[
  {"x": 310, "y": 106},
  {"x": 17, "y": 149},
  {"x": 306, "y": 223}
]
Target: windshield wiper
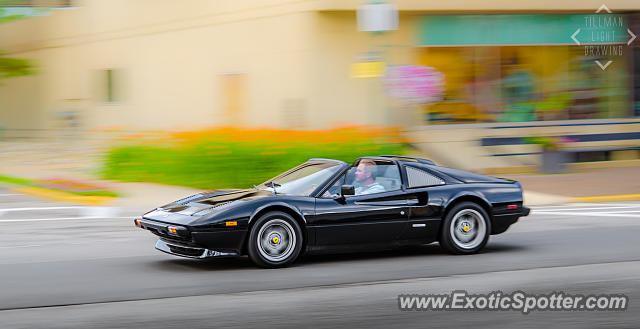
[{"x": 274, "y": 185}]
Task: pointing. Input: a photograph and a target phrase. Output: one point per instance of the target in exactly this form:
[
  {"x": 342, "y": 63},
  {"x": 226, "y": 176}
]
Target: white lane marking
[
  {"x": 636, "y": 204},
  {"x": 570, "y": 209},
  {"x": 583, "y": 205},
  {"x": 58, "y": 219},
  {"x": 95, "y": 212},
  {"x": 593, "y": 214},
  {"x": 568, "y": 205},
  {"x": 25, "y": 246},
  {"x": 622, "y": 211},
  {"x": 9, "y": 194},
  {"x": 38, "y": 208}
]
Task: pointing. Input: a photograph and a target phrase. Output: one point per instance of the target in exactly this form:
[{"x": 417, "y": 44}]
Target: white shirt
[{"x": 369, "y": 189}]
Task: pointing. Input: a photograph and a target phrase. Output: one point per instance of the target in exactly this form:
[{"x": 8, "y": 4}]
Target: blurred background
[
  {"x": 109, "y": 108},
  {"x": 173, "y": 92}
]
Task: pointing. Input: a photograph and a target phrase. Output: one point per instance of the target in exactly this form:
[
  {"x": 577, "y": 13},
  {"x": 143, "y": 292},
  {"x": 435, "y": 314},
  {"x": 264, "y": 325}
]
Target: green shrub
[{"x": 239, "y": 158}]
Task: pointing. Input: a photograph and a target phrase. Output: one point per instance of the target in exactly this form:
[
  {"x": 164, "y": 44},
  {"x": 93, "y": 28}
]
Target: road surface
[{"x": 76, "y": 267}]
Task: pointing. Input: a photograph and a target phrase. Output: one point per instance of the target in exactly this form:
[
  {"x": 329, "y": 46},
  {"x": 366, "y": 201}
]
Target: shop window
[{"x": 527, "y": 83}]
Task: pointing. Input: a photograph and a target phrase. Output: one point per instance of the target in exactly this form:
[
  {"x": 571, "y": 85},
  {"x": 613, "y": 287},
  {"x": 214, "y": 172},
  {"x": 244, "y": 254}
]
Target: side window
[
  {"x": 335, "y": 188},
  {"x": 368, "y": 176},
  {"x": 417, "y": 178},
  {"x": 387, "y": 175}
]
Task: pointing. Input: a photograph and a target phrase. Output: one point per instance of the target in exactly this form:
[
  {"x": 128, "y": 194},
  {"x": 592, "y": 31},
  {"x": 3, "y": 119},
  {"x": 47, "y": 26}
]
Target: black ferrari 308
[{"x": 328, "y": 205}]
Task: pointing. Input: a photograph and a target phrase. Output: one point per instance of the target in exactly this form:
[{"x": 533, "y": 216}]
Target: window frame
[{"x": 342, "y": 174}]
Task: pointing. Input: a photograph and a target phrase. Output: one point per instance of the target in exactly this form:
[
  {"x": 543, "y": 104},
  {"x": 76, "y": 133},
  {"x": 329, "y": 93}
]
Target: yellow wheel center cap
[
  {"x": 466, "y": 228},
  {"x": 275, "y": 239}
]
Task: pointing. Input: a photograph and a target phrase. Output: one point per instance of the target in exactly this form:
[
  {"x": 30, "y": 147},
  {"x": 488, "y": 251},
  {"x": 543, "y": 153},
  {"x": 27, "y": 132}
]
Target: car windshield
[{"x": 303, "y": 179}]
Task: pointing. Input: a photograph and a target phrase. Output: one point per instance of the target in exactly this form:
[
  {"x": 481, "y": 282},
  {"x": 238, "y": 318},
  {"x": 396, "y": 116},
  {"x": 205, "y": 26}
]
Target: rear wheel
[
  {"x": 275, "y": 240},
  {"x": 465, "y": 229}
]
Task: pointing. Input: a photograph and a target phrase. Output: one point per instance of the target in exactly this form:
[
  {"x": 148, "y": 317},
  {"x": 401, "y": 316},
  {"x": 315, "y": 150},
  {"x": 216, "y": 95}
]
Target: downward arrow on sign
[{"x": 603, "y": 67}]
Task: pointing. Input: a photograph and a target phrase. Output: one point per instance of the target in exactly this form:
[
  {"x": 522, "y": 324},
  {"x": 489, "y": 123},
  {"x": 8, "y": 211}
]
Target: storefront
[{"x": 514, "y": 68}]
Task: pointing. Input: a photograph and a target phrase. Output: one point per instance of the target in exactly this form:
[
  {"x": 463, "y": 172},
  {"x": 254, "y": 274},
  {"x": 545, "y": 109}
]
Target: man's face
[{"x": 361, "y": 173}]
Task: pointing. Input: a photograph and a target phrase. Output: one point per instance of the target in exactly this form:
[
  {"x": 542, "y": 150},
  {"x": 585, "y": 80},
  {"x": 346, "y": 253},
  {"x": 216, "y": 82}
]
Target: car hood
[
  {"x": 235, "y": 195},
  {"x": 190, "y": 209},
  {"x": 215, "y": 197}
]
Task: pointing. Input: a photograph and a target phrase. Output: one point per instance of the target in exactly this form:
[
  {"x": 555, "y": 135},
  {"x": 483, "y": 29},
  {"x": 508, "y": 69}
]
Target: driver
[{"x": 366, "y": 178}]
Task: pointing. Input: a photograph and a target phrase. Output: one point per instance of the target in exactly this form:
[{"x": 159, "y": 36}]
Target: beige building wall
[
  {"x": 168, "y": 63},
  {"x": 170, "y": 59},
  {"x": 337, "y": 97}
]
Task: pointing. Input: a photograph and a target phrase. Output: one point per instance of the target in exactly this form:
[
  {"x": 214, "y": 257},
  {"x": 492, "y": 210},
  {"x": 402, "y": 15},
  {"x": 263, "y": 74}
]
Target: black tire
[
  {"x": 275, "y": 240},
  {"x": 471, "y": 221}
]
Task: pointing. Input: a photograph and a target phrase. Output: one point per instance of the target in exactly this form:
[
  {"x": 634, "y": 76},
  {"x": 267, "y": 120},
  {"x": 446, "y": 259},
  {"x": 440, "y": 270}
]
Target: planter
[{"x": 553, "y": 161}]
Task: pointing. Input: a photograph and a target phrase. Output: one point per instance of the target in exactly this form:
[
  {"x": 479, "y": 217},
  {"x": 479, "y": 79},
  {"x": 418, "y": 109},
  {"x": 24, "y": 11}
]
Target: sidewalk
[
  {"x": 76, "y": 160},
  {"x": 596, "y": 185},
  {"x": 79, "y": 160}
]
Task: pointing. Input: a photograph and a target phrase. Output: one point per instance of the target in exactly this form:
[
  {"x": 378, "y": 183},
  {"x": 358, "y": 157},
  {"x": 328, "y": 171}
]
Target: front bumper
[
  {"x": 184, "y": 241},
  {"x": 181, "y": 250}
]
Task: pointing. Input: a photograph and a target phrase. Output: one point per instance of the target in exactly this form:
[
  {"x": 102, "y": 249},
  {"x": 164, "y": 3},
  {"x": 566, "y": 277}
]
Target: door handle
[
  {"x": 413, "y": 202},
  {"x": 418, "y": 199}
]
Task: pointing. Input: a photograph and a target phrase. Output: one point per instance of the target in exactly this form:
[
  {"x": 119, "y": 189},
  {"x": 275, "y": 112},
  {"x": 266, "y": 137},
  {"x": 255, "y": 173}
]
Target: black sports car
[{"x": 328, "y": 205}]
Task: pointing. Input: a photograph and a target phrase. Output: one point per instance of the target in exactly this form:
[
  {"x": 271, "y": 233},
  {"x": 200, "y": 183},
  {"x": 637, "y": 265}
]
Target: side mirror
[
  {"x": 347, "y": 190},
  {"x": 344, "y": 190}
]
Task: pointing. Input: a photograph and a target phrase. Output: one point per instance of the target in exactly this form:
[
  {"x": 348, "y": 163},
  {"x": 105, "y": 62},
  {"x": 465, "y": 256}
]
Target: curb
[
  {"x": 64, "y": 197},
  {"x": 606, "y": 198}
]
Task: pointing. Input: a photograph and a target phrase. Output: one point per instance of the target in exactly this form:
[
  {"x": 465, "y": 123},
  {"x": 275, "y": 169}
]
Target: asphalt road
[{"x": 76, "y": 267}]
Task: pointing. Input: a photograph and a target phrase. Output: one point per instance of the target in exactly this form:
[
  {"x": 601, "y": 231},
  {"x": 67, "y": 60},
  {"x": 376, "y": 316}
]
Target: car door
[
  {"x": 424, "y": 218},
  {"x": 377, "y": 218}
]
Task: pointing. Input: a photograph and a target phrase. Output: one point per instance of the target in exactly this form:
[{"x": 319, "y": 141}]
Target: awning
[{"x": 467, "y": 30}]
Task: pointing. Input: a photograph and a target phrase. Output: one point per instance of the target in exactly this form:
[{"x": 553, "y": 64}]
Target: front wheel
[
  {"x": 466, "y": 229},
  {"x": 275, "y": 240}
]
